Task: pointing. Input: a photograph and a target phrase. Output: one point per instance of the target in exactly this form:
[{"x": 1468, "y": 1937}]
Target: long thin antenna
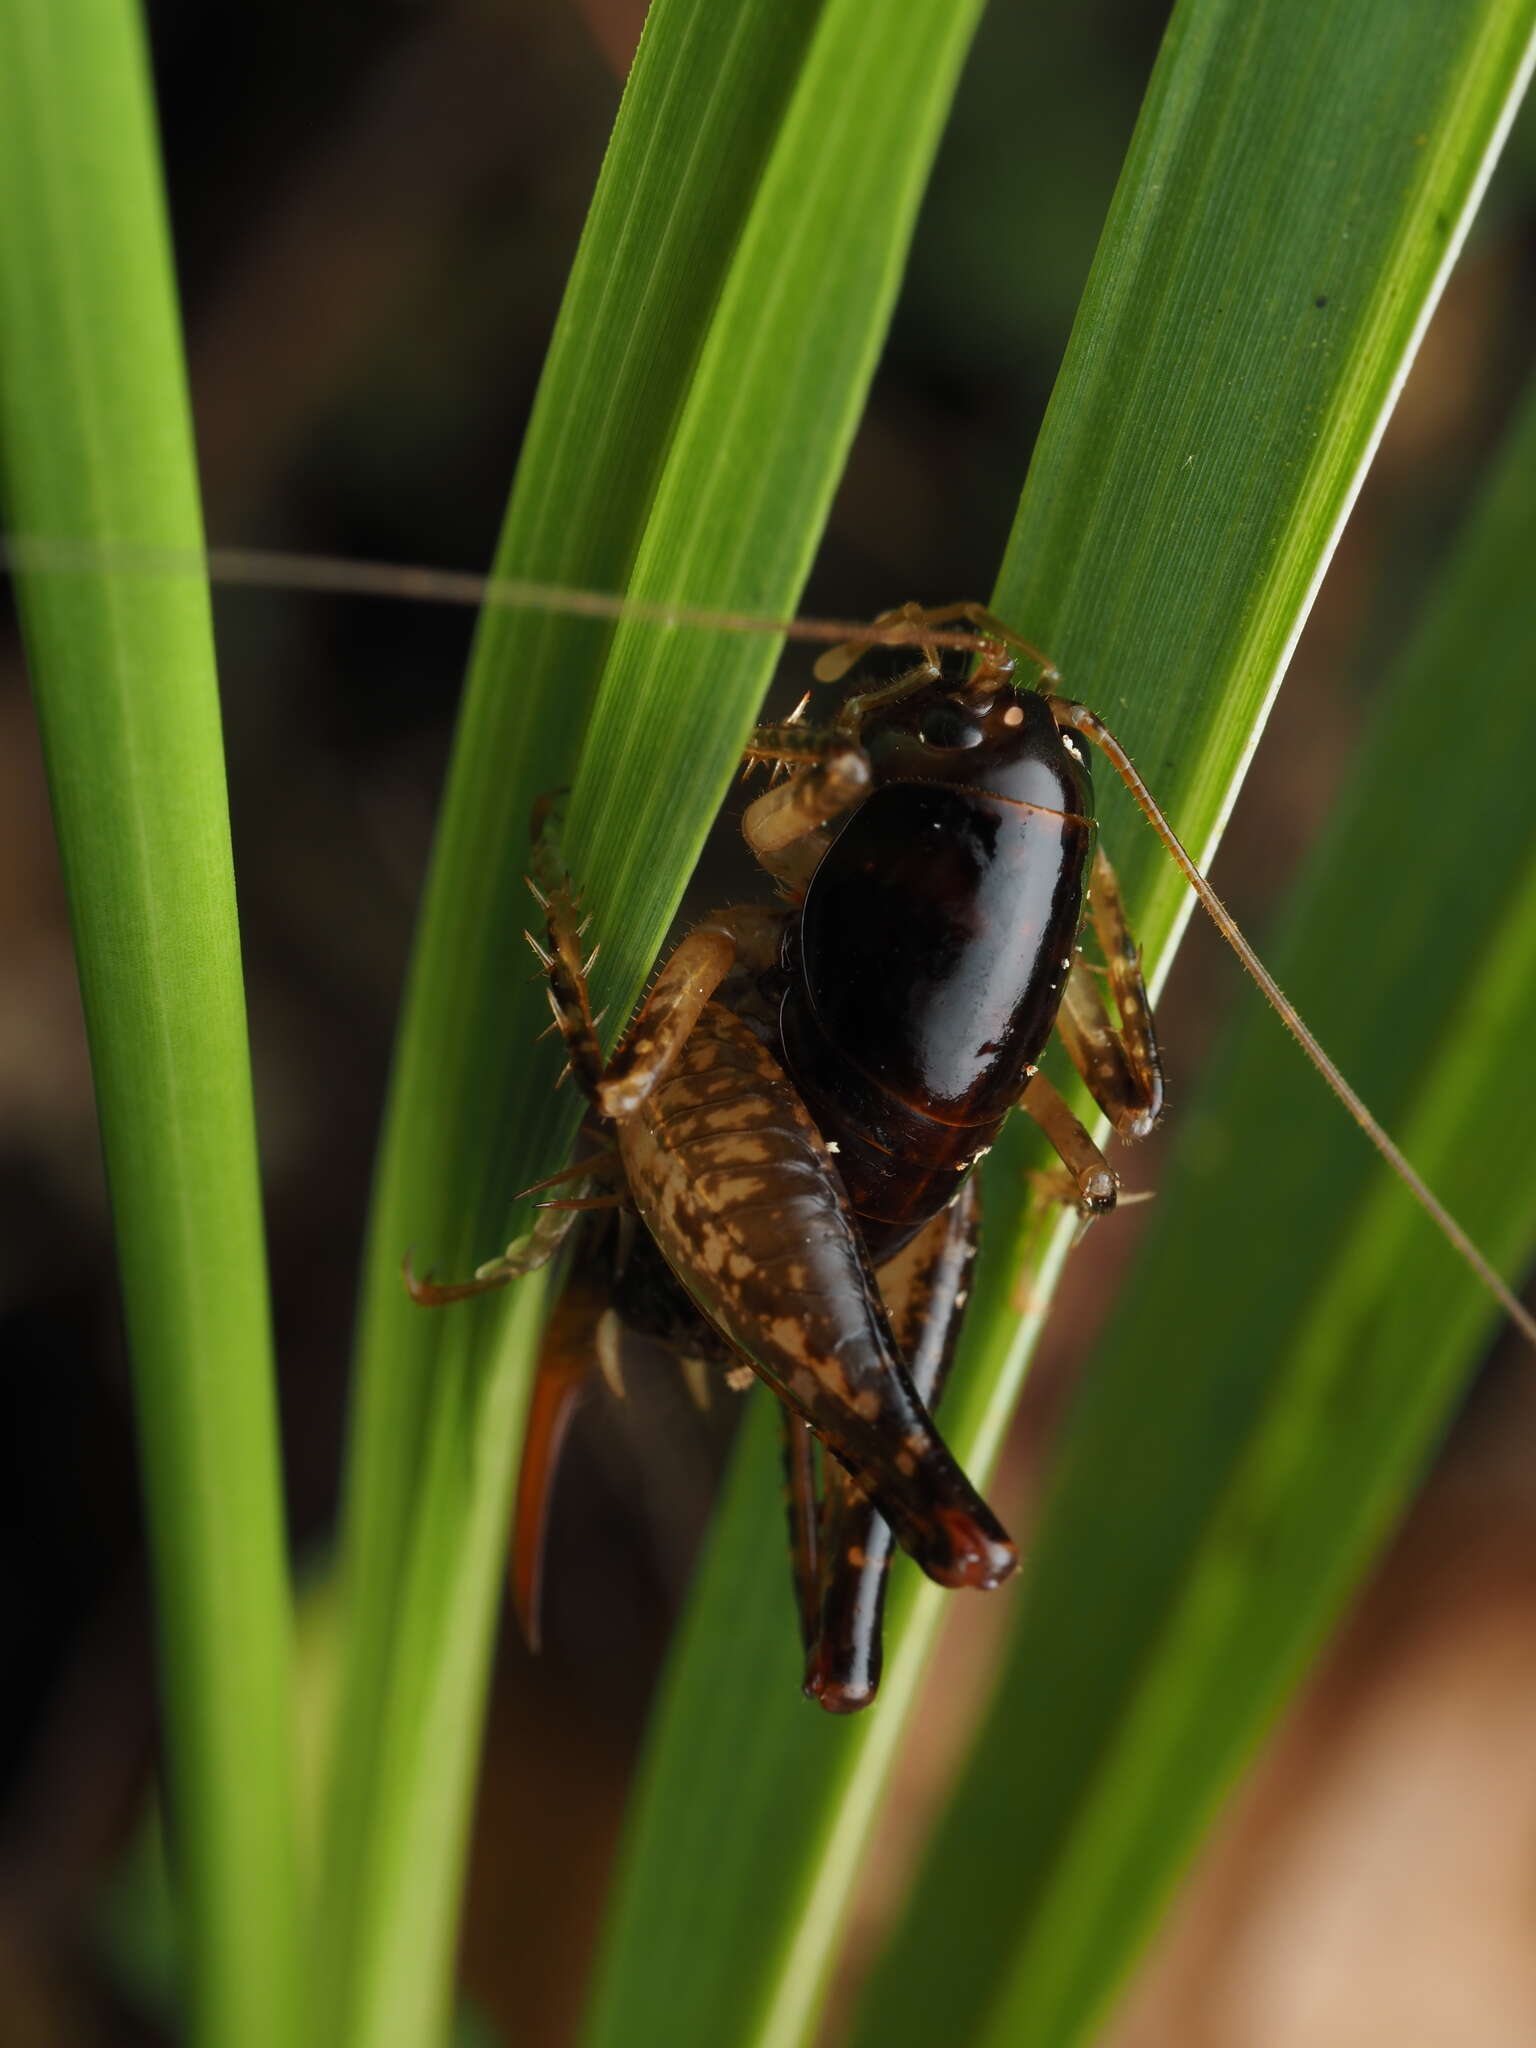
[
  {"x": 1093, "y": 728},
  {"x": 346, "y": 576},
  {"x": 343, "y": 576}
]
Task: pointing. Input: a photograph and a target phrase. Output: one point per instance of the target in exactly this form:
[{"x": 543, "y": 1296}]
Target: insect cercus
[{"x": 795, "y": 1111}]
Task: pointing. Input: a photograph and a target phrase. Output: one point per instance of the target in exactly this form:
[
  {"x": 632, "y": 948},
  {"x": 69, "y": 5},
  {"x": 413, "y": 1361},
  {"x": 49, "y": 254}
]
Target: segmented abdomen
[{"x": 742, "y": 1197}]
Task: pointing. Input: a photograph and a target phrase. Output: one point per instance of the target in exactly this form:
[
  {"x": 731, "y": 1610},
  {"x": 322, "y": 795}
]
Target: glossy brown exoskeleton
[
  {"x": 806, "y": 1089},
  {"x": 936, "y": 944}
]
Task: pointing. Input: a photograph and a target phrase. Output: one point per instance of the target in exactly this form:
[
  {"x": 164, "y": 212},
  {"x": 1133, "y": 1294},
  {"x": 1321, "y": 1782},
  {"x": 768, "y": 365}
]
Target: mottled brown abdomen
[{"x": 742, "y": 1197}]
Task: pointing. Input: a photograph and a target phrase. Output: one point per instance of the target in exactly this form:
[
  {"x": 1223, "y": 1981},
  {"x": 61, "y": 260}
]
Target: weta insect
[
  {"x": 726, "y": 1115},
  {"x": 821, "y": 812},
  {"x": 807, "y": 1088}
]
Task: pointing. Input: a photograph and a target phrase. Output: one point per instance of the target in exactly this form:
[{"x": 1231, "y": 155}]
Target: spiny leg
[
  {"x": 855, "y": 709},
  {"x": 662, "y": 1025},
  {"x": 1120, "y": 1066},
  {"x": 652, "y": 1042},
  {"x": 743, "y": 934},
  {"x": 663, "y": 1022},
  {"x": 660, "y": 1029},
  {"x": 524, "y": 1255},
  {"x": 991, "y": 627},
  {"x": 835, "y": 664},
  {"x": 784, "y": 827},
  {"x": 597, "y": 1165}
]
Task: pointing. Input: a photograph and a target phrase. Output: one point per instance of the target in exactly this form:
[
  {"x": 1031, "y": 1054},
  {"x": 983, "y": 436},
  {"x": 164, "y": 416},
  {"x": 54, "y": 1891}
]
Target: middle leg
[
  {"x": 1120, "y": 1061},
  {"x": 1090, "y": 1182}
]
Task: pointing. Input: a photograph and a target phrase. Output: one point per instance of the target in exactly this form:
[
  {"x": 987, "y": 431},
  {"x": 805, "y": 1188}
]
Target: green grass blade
[
  {"x": 733, "y": 284},
  {"x": 1209, "y": 429},
  {"x": 1294, "y": 1338},
  {"x": 95, "y": 445}
]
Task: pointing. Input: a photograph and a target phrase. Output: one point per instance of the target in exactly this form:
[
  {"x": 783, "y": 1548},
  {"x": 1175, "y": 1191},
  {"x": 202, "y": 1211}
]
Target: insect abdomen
[{"x": 738, "y": 1190}]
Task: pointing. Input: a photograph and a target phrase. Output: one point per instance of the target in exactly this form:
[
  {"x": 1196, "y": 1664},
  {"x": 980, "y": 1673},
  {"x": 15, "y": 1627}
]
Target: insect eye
[{"x": 947, "y": 725}]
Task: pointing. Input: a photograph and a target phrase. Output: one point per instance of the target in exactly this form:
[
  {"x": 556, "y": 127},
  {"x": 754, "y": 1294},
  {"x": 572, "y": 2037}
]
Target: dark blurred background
[{"x": 375, "y": 206}]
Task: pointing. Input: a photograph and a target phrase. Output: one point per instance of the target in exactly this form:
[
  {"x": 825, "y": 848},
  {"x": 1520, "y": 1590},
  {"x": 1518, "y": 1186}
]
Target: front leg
[
  {"x": 786, "y": 826},
  {"x": 995, "y": 638}
]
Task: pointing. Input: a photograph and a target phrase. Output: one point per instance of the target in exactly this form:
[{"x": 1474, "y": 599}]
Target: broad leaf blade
[
  {"x": 721, "y": 325},
  {"x": 96, "y": 448},
  {"x": 1293, "y": 1339},
  {"x": 1199, "y": 457}
]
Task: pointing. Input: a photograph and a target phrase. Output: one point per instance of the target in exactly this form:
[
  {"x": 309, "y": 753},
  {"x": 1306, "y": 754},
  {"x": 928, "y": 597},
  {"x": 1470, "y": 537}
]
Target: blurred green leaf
[
  {"x": 96, "y": 447},
  {"x": 1299, "y": 182},
  {"x": 1293, "y": 1339}
]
